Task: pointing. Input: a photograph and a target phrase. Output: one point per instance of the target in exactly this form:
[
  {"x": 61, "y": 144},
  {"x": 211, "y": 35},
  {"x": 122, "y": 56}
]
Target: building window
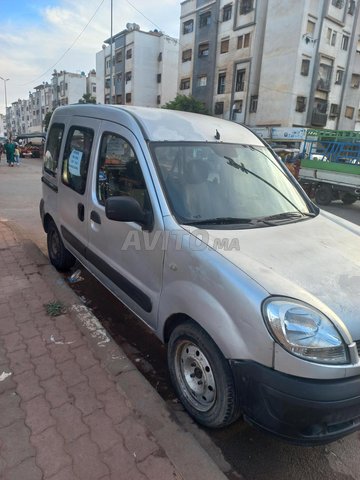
[
  {"x": 243, "y": 41},
  {"x": 205, "y": 19},
  {"x": 127, "y": 77},
  {"x": 202, "y": 81},
  {"x": 351, "y": 9},
  {"x": 349, "y": 112},
  {"x": 224, "y": 46},
  {"x": 310, "y": 27},
  {"x": 128, "y": 98},
  {"x": 345, "y": 42},
  {"x": 355, "y": 80},
  {"x": 158, "y": 78},
  {"x": 331, "y": 37},
  {"x": 324, "y": 77},
  {"x": 227, "y": 11},
  {"x": 188, "y": 26},
  {"x": 240, "y": 80},
  {"x": 305, "y": 66},
  {"x": 158, "y": 99},
  {"x": 221, "y": 83},
  {"x": 339, "y": 77},
  {"x": 185, "y": 84},
  {"x": 320, "y": 105},
  {"x": 219, "y": 108},
  {"x": 129, "y": 53},
  {"x": 238, "y": 106},
  {"x": 337, "y": 3},
  {"x": 334, "y": 110},
  {"x": 203, "y": 49},
  {"x": 118, "y": 77},
  {"x": 300, "y": 104},
  {"x": 186, "y": 55},
  {"x": 246, "y": 6},
  {"x": 118, "y": 57},
  {"x": 253, "y": 103}
]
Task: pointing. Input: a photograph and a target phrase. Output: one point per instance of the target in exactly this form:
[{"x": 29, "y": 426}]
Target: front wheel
[
  {"x": 324, "y": 195},
  {"x": 202, "y": 377},
  {"x": 59, "y": 256},
  {"x": 348, "y": 199}
]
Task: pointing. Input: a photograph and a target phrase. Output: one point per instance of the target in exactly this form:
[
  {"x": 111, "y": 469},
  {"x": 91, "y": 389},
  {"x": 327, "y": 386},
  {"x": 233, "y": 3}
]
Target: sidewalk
[{"x": 72, "y": 406}]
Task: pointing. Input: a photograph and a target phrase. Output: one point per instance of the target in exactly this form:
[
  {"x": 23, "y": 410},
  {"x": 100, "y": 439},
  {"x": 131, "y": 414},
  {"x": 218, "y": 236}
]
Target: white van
[{"x": 196, "y": 226}]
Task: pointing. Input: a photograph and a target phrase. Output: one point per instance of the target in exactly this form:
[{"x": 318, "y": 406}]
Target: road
[{"x": 241, "y": 451}]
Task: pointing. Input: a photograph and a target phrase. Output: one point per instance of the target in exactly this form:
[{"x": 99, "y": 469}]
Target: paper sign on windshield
[{"x": 75, "y": 162}]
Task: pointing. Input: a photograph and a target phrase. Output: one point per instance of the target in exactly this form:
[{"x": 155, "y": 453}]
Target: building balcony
[{"x": 318, "y": 119}]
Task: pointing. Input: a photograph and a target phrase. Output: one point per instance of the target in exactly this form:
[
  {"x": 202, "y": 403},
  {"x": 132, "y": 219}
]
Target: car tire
[
  {"x": 59, "y": 256},
  {"x": 202, "y": 377},
  {"x": 323, "y": 195},
  {"x": 348, "y": 199}
]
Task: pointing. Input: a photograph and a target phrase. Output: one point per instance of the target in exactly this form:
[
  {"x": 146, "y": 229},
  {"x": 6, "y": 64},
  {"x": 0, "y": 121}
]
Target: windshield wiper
[
  {"x": 286, "y": 216},
  {"x": 220, "y": 221}
]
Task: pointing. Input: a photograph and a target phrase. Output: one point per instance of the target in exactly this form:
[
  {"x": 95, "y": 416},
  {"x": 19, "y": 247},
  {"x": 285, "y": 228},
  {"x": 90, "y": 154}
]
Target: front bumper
[{"x": 300, "y": 410}]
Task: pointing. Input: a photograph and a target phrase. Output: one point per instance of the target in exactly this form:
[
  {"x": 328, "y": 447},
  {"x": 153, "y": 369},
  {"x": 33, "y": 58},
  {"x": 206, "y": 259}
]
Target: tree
[
  {"x": 186, "y": 104},
  {"x": 47, "y": 119},
  {"x": 87, "y": 98}
]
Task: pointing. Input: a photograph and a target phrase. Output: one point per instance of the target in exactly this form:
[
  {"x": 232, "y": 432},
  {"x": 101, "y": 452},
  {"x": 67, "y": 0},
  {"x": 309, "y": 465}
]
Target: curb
[{"x": 181, "y": 447}]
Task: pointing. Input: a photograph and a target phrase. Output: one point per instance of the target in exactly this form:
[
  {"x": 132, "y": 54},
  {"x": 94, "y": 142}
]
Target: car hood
[{"x": 316, "y": 260}]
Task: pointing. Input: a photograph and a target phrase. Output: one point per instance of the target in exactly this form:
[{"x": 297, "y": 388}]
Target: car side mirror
[{"x": 126, "y": 209}]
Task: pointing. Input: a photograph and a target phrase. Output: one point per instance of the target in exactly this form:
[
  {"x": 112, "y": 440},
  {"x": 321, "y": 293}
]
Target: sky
[{"x": 38, "y": 36}]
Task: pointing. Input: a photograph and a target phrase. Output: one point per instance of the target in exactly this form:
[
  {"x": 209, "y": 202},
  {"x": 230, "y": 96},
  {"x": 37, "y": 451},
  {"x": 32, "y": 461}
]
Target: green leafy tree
[
  {"x": 186, "y": 103},
  {"x": 87, "y": 98},
  {"x": 47, "y": 119}
]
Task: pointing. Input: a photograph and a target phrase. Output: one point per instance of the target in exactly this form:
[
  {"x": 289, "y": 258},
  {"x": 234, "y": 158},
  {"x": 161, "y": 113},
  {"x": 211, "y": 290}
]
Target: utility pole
[
  {"x": 6, "y": 80},
  {"x": 111, "y": 52}
]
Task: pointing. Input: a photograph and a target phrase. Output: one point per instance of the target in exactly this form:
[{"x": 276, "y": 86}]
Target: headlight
[{"x": 304, "y": 331}]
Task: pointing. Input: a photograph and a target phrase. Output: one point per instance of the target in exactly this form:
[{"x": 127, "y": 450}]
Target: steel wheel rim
[{"x": 195, "y": 376}]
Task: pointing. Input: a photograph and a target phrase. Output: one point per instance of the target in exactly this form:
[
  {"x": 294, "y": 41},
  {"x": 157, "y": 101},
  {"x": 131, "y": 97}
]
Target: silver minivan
[{"x": 205, "y": 235}]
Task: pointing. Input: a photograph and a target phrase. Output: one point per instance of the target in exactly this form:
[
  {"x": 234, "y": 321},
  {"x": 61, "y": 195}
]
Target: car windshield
[{"x": 220, "y": 183}]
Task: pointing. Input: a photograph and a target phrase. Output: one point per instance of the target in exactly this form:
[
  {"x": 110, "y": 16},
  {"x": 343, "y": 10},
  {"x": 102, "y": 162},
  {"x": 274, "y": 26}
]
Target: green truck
[{"x": 330, "y": 167}]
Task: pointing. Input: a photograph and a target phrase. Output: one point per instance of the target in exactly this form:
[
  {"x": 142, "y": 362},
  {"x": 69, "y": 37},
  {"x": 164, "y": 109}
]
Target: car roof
[{"x": 159, "y": 124}]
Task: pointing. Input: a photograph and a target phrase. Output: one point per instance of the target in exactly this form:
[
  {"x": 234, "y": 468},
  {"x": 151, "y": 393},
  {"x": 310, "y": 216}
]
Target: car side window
[
  {"x": 119, "y": 172},
  {"x": 53, "y": 145},
  {"x": 76, "y": 158}
]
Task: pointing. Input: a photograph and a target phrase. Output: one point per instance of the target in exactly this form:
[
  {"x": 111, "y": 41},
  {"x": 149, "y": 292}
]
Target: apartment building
[
  {"x": 143, "y": 68},
  {"x": 273, "y": 63}
]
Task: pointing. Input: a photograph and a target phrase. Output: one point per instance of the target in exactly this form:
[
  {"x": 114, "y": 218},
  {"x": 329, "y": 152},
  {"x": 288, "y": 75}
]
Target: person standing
[
  {"x": 17, "y": 155},
  {"x": 9, "y": 150}
]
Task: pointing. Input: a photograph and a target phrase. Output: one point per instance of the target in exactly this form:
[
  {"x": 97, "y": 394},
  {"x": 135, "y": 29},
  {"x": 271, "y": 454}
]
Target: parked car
[
  {"x": 31, "y": 151},
  {"x": 205, "y": 235}
]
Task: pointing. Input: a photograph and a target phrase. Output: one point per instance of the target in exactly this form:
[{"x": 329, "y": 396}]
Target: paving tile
[
  {"x": 87, "y": 463},
  {"x": 102, "y": 431},
  {"x": 8, "y": 324},
  {"x": 15, "y": 443},
  {"x": 84, "y": 357},
  {"x": 66, "y": 473},
  {"x": 71, "y": 373},
  {"x": 51, "y": 456},
  {"x": 13, "y": 342},
  {"x": 69, "y": 422},
  {"x": 60, "y": 353},
  {"x": 98, "y": 379},
  {"x": 28, "y": 330},
  {"x": 119, "y": 461},
  {"x": 136, "y": 438},
  {"x": 26, "y": 470},
  {"x": 55, "y": 391},
  {"x": 38, "y": 417},
  {"x": 36, "y": 347},
  {"x": 84, "y": 398},
  {"x": 28, "y": 385},
  {"x": 20, "y": 362},
  {"x": 10, "y": 410},
  {"x": 155, "y": 467},
  {"x": 45, "y": 367},
  {"x": 115, "y": 405}
]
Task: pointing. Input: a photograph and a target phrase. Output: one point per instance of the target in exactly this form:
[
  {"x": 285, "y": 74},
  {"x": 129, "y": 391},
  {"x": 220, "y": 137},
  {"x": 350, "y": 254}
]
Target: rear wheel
[
  {"x": 323, "y": 195},
  {"x": 348, "y": 199},
  {"x": 59, "y": 256},
  {"x": 201, "y": 376}
]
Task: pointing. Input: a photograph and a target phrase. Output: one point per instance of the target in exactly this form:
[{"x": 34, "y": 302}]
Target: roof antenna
[{"x": 217, "y": 135}]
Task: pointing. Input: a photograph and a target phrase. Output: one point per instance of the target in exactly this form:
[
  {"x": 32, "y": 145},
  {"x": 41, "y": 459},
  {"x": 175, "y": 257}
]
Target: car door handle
[
  {"x": 95, "y": 217},
  {"x": 81, "y": 212}
]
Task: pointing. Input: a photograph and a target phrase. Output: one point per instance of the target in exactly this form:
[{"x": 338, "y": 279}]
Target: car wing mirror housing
[{"x": 127, "y": 209}]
